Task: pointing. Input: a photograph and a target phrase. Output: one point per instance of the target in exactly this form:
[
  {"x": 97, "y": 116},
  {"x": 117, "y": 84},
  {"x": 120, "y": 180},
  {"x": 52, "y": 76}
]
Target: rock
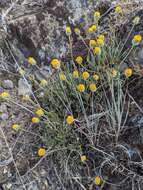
[
  {"x": 3, "y": 112},
  {"x": 8, "y": 84},
  {"x": 43, "y": 73},
  {"x": 24, "y": 88},
  {"x": 3, "y": 108},
  {"x": 137, "y": 121},
  {"x": 4, "y": 116},
  {"x": 140, "y": 57}
]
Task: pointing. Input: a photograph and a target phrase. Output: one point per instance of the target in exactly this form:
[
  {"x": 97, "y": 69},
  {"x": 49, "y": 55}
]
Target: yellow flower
[
  {"x": 68, "y": 30},
  {"x": 136, "y": 20},
  {"x": 92, "y": 43},
  {"x": 90, "y": 30},
  {"x": 100, "y": 42},
  {"x": 41, "y": 152},
  {"x": 97, "y": 14},
  {"x": 118, "y": 9},
  {"x": 77, "y": 31},
  {"x": 81, "y": 87},
  {"x": 15, "y": 127},
  {"x": 101, "y": 36},
  {"x": 92, "y": 87},
  {"x": 75, "y": 74},
  {"x": 83, "y": 158},
  {"x": 35, "y": 120},
  {"x": 114, "y": 72},
  {"x": 55, "y": 63},
  {"x": 97, "y": 51},
  {"x": 96, "y": 77},
  {"x": 128, "y": 72},
  {"x": 62, "y": 76},
  {"x": 4, "y": 95},
  {"x": 31, "y": 61},
  {"x": 85, "y": 75},
  {"x": 94, "y": 27},
  {"x": 43, "y": 83},
  {"x": 79, "y": 59},
  {"x": 70, "y": 120},
  {"x": 39, "y": 112},
  {"x": 137, "y": 39},
  {"x": 21, "y": 71},
  {"x": 97, "y": 180}
]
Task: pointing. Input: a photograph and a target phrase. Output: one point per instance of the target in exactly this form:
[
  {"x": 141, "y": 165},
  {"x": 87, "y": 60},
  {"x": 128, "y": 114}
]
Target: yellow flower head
[
  {"x": 98, "y": 180},
  {"x": 118, "y": 9},
  {"x": 81, "y": 87},
  {"x": 85, "y": 75},
  {"x": 55, "y": 63},
  {"x": 77, "y": 31},
  {"x": 75, "y": 74},
  {"x": 15, "y": 127},
  {"x": 96, "y": 77},
  {"x": 4, "y": 95},
  {"x": 101, "y": 36},
  {"x": 100, "y": 42},
  {"x": 39, "y": 112},
  {"x": 43, "y": 83},
  {"x": 128, "y": 72},
  {"x": 114, "y": 72},
  {"x": 41, "y": 152},
  {"x": 92, "y": 43},
  {"x": 83, "y": 158},
  {"x": 97, "y": 51},
  {"x": 31, "y": 61},
  {"x": 137, "y": 39},
  {"x": 136, "y": 20},
  {"x": 79, "y": 60},
  {"x": 92, "y": 87},
  {"x": 35, "y": 120},
  {"x": 97, "y": 14},
  {"x": 62, "y": 76},
  {"x": 68, "y": 30},
  {"x": 94, "y": 27},
  {"x": 90, "y": 30},
  {"x": 70, "y": 120}
]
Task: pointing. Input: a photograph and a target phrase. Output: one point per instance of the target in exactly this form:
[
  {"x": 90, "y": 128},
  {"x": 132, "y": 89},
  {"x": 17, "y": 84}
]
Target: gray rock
[
  {"x": 3, "y": 112},
  {"x": 137, "y": 121},
  {"x": 4, "y": 116},
  {"x": 8, "y": 84},
  {"x": 24, "y": 88},
  {"x": 3, "y": 108},
  {"x": 43, "y": 73},
  {"x": 140, "y": 57}
]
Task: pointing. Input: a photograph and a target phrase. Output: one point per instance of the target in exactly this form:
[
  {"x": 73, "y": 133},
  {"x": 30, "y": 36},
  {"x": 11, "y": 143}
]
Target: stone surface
[
  {"x": 137, "y": 121},
  {"x": 3, "y": 112},
  {"x": 7, "y": 84},
  {"x": 24, "y": 88},
  {"x": 43, "y": 73}
]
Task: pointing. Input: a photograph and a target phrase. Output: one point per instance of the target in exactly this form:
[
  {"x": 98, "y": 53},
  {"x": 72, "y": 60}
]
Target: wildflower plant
[{"x": 82, "y": 84}]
